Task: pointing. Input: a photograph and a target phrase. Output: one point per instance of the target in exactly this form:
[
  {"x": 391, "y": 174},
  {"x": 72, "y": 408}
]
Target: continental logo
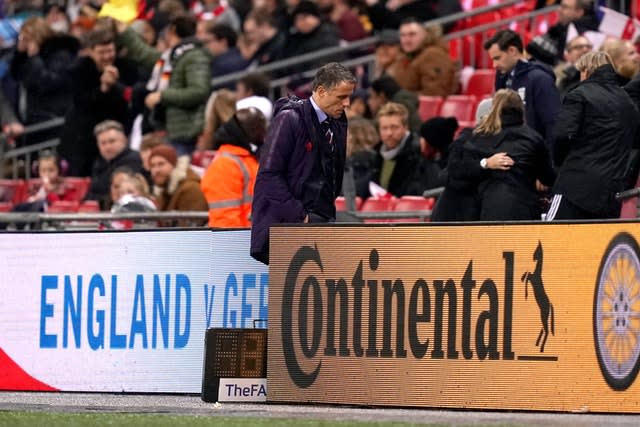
[
  {"x": 339, "y": 317},
  {"x": 616, "y": 312}
]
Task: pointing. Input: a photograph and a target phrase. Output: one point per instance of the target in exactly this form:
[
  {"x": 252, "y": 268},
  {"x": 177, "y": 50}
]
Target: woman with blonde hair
[
  {"x": 498, "y": 165},
  {"x": 362, "y": 136},
  {"x": 596, "y": 129},
  {"x": 220, "y": 108}
]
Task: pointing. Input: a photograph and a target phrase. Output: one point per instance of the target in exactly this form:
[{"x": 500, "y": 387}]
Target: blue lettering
[
  {"x": 46, "y": 310},
  {"x": 262, "y": 391},
  {"x": 181, "y": 339},
  {"x": 160, "y": 311},
  {"x": 117, "y": 340},
  {"x": 138, "y": 326},
  {"x": 248, "y": 282},
  {"x": 264, "y": 297},
  {"x": 72, "y": 310},
  {"x": 232, "y": 284},
  {"x": 208, "y": 302},
  {"x": 96, "y": 341}
]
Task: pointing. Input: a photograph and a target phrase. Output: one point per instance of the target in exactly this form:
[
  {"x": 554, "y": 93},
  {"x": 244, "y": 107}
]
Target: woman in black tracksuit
[{"x": 497, "y": 166}]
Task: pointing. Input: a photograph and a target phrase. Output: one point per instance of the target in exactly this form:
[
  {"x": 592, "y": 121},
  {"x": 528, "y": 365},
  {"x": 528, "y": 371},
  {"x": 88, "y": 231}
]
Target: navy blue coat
[
  {"x": 541, "y": 97},
  {"x": 287, "y": 189}
]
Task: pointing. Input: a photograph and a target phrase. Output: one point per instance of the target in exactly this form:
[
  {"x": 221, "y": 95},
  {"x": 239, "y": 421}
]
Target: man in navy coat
[{"x": 302, "y": 160}]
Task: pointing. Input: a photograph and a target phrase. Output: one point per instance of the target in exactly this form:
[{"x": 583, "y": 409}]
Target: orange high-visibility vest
[{"x": 228, "y": 187}]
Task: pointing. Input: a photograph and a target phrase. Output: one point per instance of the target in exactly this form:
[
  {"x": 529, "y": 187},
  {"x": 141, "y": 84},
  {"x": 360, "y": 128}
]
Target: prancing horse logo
[{"x": 542, "y": 299}]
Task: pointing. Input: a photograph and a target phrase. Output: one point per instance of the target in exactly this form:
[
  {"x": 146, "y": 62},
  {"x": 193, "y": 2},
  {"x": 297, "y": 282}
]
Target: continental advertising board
[
  {"x": 532, "y": 317},
  {"x": 122, "y": 311}
]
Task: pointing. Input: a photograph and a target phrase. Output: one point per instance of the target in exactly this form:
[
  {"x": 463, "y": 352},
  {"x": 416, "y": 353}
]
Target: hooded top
[{"x": 536, "y": 84}]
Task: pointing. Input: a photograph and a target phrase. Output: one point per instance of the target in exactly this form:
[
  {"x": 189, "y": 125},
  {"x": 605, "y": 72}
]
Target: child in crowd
[{"x": 51, "y": 187}]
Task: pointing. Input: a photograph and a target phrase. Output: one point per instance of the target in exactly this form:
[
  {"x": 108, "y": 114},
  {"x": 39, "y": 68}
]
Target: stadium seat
[
  {"x": 202, "y": 158},
  {"x": 77, "y": 187},
  {"x": 6, "y": 206},
  {"x": 341, "y": 204},
  {"x": 64, "y": 206},
  {"x": 12, "y": 190},
  {"x": 462, "y": 107},
  {"x": 630, "y": 206},
  {"x": 482, "y": 83},
  {"x": 378, "y": 204},
  {"x": 413, "y": 203},
  {"x": 89, "y": 206},
  {"x": 429, "y": 107}
]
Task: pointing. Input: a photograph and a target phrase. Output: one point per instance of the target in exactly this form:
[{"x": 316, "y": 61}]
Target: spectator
[
  {"x": 597, "y": 128},
  {"x": 386, "y": 89},
  {"x": 52, "y": 188},
  {"x": 534, "y": 82},
  {"x": 229, "y": 180},
  {"x": 252, "y": 90},
  {"x": 392, "y": 13},
  {"x": 362, "y": 137},
  {"x": 133, "y": 195},
  {"x": 302, "y": 164},
  {"x": 11, "y": 127},
  {"x": 40, "y": 64},
  {"x": 346, "y": 20},
  {"x": 114, "y": 153},
  {"x": 387, "y": 53},
  {"x": 221, "y": 42},
  {"x": 266, "y": 38},
  {"x": 413, "y": 35},
  {"x": 309, "y": 34},
  {"x": 175, "y": 186},
  {"x": 146, "y": 31},
  {"x": 399, "y": 165},
  {"x": 436, "y": 135},
  {"x": 220, "y": 108},
  {"x": 97, "y": 96},
  {"x": 179, "y": 83},
  {"x": 430, "y": 71},
  {"x": 625, "y": 58},
  {"x": 359, "y": 107},
  {"x": 218, "y": 11},
  {"x": 580, "y": 13},
  {"x": 149, "y": 141},
  {"x": 569, "y": 76}
]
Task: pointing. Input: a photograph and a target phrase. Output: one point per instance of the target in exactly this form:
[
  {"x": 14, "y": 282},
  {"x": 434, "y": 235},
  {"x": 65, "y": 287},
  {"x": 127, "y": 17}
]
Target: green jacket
[{"x": 189, "y": 85}]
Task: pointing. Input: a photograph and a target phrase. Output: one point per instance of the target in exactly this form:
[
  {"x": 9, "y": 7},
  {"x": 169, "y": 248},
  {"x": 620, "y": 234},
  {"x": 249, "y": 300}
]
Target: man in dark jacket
[
  {"x": 114, "y": 153},
  {"x": 399, "y": 167},
  {"x": 534, "y": 82},
  {"x": 302, "y": 160},
  {"x": 597, "y": 128}
]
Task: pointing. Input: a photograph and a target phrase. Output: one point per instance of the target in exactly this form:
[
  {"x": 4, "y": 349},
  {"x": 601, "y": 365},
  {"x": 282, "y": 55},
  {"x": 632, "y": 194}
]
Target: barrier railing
[{"x": 25, "y": 153}]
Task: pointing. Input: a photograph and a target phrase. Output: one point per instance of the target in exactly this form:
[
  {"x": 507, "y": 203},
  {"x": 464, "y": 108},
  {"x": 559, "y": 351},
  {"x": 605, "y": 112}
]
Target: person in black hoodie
[
  {"x": 533, "y": 81},
  {"x": 597, "y": 128},
  {"x": 492, "y": 173}
]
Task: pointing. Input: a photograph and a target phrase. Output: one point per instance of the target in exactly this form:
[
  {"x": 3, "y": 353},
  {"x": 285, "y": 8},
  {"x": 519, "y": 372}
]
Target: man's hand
[
  {"x": 109, "y": 76},
  {"x": 152, "y": 100},
  {"x": 12, "y": 130}
]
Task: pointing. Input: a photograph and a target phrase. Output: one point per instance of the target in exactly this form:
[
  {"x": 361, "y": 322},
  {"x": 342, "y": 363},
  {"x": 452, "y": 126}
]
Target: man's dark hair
[
  {"x": 224, "y": 32},
  {"x": 256, "y": 83},
  {"x": 504, "y": 39},
  {"x": 385, "y": 85},
  {"x": 331, "y": 75},
  {"x": 184, "y": 26},
  {"x": 99, "y": 38},
  {"x": 262, "y": 16},
  {"x": 586, "y": 6}
]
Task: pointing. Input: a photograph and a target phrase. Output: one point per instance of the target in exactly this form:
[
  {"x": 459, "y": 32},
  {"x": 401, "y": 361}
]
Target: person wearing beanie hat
[
  {"x": 175, "y": 185},
  {"x": 438, "y": 133},
  {"x": 228, "y": 182}
]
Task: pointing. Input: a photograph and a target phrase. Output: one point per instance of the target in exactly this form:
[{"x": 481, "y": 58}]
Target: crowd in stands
[{"x": 144, "y": 124}]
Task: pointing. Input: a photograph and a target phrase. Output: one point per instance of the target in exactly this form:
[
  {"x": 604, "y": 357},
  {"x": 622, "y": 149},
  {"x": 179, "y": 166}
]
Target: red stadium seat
[
  {"x": 482, "y": 83},
  {"x": 77, "y": 187},
  {"x": 6, "y": 206},
  {"x": 341, "y": 204},
  {"x": 89, "y": 206},
  {"x": 378, "y": 204},
  {"x": 12, "y": 190},
  {"x": 64, "y": 206},
  {"x": 462, "y": 107},
  {"x": 429, "y": 107},
  {"x": 413, "y": 203}
]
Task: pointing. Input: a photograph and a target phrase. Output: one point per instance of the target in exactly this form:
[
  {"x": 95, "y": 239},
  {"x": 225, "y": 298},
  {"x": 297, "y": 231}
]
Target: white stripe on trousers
[{"x": 553, "y": 209}]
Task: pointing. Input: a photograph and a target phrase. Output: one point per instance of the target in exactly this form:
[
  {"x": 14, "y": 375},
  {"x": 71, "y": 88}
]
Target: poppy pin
[{"x": 308, "y": 146}]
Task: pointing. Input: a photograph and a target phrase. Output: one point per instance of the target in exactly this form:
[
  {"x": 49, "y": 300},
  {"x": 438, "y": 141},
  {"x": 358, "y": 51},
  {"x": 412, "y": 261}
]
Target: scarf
[{"x": 161, "y": 73}]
